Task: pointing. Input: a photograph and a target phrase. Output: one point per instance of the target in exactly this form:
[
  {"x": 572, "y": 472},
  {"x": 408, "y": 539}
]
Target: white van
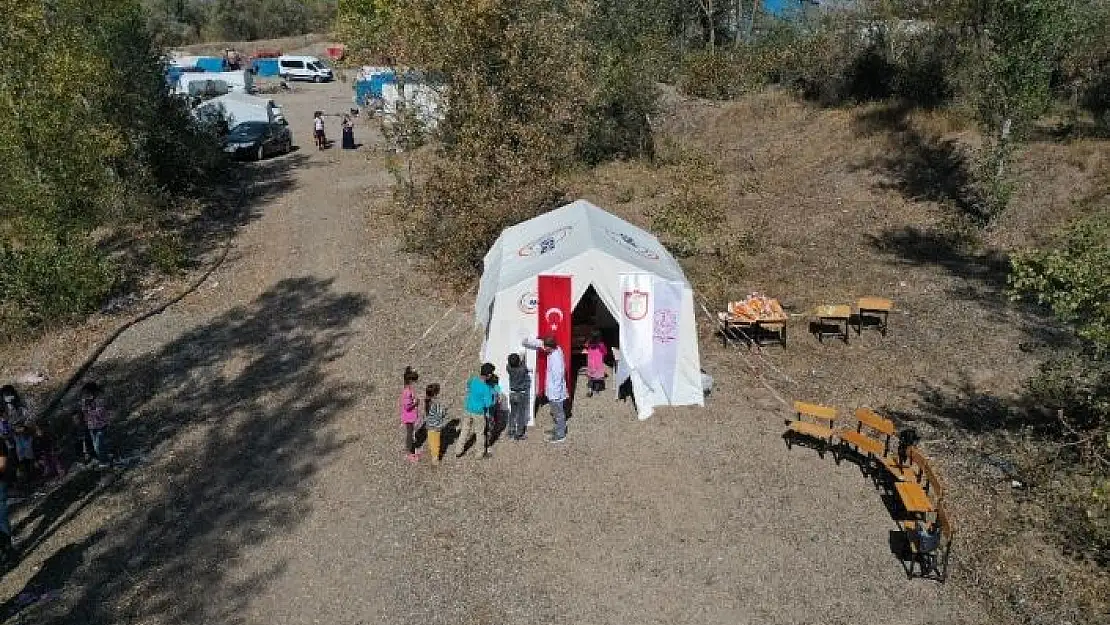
[{"x": 303, "y": 68}]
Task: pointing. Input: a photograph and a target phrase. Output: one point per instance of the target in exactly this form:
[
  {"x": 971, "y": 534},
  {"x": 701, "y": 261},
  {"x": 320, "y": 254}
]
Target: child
[
  {"x": 596, "y": 350},
  {"x": 519, "y": 386},
  {"x": 94, "y": 416},
  {"x": 318, "y": 130},
  {"x": 435, "y": 418},
  {"x": 479, "y": 399},
  {"x": 493, "y": 415},
  {"x": 410, "y": 414},
  {"x": 18, "y": 416}
]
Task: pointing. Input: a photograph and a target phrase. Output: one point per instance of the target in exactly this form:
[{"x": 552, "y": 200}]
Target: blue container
[
  {"x": 377, "y": 81},
  {"x": 173, "y": 74},
  {"x": 363, "y": 91},
  {"x": 265, "y": 67},
  {"x": 210, "y": 64}
]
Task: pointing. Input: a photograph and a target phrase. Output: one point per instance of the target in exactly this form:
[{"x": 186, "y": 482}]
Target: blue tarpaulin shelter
[
  {"x": 210, "y": 63},
  {"x": 265, "y": 67},
  {"x": 372, "y": 87}
]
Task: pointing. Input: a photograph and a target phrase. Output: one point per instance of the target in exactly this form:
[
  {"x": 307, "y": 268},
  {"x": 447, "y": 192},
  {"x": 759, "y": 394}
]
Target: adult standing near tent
[
  {"x": 555, "y": 384},
  {"x": 348, "y": 133}
]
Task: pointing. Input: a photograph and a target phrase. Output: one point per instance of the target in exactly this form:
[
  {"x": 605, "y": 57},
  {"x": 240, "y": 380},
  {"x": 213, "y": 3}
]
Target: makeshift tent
[
  {"x": 640, "y": 290},
  {"x": 210, "y": 63},
  {"x": 265, "y": 66}
]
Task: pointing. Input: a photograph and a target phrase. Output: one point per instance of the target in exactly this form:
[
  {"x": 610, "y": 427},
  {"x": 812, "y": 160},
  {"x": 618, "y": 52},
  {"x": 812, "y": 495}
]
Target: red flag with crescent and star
[{"x": 553, "y": 314}]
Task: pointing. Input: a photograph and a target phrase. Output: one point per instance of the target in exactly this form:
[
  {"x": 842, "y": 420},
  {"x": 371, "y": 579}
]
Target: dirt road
[{"x": 275, "y": 490}]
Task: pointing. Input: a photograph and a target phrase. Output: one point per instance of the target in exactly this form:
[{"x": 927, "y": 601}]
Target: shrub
[
  {"x": 693, "y": 212},
  {"x": 711, "y": 75},
  {"x": 1073, "y": 280},
  {"x": 52, "y": 284}
]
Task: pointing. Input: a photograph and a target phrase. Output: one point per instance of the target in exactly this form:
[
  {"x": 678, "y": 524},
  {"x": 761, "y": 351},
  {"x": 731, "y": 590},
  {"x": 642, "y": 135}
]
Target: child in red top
[{"x": 409, "y": 407}]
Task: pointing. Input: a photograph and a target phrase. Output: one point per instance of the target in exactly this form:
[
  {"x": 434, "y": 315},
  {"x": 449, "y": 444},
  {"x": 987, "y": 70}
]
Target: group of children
[
  {"x": 29, "y": 451},
  {"x": 483, "y": 406},
  {"x": 30, "y": 445}
]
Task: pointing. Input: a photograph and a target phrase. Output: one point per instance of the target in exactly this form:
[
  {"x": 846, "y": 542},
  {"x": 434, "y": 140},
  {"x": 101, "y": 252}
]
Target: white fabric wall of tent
[{"x": 621, "y": 262}]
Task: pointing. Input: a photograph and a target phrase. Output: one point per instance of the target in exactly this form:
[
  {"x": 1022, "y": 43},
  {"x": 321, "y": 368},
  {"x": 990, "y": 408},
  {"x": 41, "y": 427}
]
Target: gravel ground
[{"x": 274, "y": 489}]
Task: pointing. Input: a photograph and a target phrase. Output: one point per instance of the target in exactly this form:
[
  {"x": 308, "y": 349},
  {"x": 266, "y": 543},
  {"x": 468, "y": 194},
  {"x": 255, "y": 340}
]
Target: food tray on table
[
  {"x": 754, "y": 309},
  {"x": 755, "y": 319}
]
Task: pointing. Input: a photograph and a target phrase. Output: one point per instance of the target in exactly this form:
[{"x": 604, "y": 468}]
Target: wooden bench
[
  {"x": 873, "y": 308},
  {"x": 933, "y": 563},
  {"x": 832, "y": 317},
  {"x": 922, "y": 495},
  {"x": 818, "y": 428},
  {"x": 870, "y": 437}
]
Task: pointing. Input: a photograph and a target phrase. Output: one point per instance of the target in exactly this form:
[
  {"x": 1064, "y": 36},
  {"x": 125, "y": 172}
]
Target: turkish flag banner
[{"x": 553, "y": 314}]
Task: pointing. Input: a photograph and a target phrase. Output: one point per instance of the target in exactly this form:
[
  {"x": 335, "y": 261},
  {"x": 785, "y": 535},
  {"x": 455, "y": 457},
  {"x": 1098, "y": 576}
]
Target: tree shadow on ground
[
  {"x": 236, "y": 416},
  {"x": 955, "y": 252},
  {"x": 962, "y": 406},
  {"x": 920, "y": 166}
]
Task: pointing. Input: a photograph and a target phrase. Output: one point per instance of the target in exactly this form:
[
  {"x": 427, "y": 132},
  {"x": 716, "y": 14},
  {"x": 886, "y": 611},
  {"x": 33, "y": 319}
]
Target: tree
[{"x": 1014, "y": 47}]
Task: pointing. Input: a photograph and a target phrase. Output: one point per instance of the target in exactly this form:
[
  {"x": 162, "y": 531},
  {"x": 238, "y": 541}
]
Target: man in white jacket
[{"x": 555, "y": 386}]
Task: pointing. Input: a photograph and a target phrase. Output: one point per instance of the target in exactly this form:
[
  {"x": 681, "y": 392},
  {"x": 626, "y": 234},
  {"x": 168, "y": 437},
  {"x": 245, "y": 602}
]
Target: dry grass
[
  {"x": 313, "y": 42},
  {"x": 837, "y": 204}
]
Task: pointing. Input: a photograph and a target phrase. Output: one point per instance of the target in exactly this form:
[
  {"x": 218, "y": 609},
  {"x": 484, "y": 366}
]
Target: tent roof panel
[{"x": 544, "y": 243}]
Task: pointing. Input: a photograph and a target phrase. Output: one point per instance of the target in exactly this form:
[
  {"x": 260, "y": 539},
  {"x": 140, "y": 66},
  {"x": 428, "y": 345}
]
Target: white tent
[{"x": 642, "y": 287}]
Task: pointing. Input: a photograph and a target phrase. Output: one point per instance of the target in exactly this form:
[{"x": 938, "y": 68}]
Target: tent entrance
[{"x": 591, "y": 314}]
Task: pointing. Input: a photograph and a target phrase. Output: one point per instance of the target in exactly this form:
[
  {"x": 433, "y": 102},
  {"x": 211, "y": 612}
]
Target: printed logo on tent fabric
[
  {"x": 665, "y": 329},
  {"x": 631, "y": 244},
  {"x": 544, "y": 244},
  {"x": 554, "y": 317},
  {"x": 635, "y": 305},
  {"x": 528, "y": 303}
]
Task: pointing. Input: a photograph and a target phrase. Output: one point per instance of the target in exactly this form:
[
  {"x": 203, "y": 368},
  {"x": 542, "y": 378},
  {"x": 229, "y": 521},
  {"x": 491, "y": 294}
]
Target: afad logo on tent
[
  {"x": 528, "y": 303},
  {"x": 544, "y": 244},
  {"x": 635, "y": 305},
  {"x": 631, "y": 244}
]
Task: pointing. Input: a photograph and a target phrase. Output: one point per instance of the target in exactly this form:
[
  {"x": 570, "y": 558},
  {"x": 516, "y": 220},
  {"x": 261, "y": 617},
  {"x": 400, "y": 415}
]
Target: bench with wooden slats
[
  {"x": 870, "y": 437},
  {"x": 818, "y": 428},
  {"x": 938, "y": 565},
  {"x": 921, "y": 496}
]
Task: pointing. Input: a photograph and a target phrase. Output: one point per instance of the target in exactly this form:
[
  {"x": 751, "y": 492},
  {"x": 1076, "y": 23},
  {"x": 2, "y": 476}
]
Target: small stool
[
  {"x": 832, "y": 316},
  {"x": 877, "y": 308}
]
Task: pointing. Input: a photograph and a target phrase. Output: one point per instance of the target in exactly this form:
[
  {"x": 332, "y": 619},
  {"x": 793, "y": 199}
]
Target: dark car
[{"x": 257, "y": 140}]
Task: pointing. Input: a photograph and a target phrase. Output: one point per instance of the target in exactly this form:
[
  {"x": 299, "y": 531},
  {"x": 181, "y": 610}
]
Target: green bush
[
  {"x": 1072, "y": 279},
  {"x": 52, "y": 284}
]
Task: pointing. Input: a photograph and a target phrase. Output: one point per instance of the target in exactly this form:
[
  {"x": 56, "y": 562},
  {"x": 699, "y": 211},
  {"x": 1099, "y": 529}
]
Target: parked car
[
  {"x": 303, "y": 68},
  {"x": 257, "y": 140}
]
